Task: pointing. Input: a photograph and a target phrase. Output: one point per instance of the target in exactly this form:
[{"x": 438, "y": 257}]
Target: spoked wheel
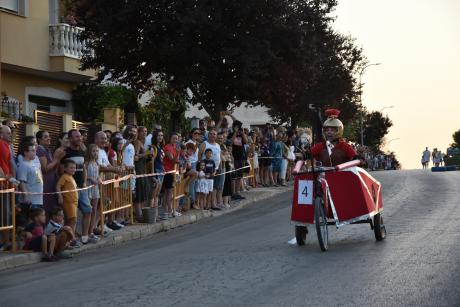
[
  {"x": 321, "y": 224},
  {"x": 301, "y": 234},
  {"x": 379, "y": 228}
]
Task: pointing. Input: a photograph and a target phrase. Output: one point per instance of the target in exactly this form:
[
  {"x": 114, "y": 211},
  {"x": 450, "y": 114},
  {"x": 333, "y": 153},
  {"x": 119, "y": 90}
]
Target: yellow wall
[
  {"x": 14, "y": 84},
  {"x": 25, "y": 40}
]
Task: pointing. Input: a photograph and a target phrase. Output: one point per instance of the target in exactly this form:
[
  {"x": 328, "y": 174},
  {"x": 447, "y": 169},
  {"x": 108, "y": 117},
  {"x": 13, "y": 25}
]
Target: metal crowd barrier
[
  {"x": 116, "y": 194},
  {"x": 251, "y": 175},
  {"x": 7, "y": 210},
  {"x": 180, "y": 190}
]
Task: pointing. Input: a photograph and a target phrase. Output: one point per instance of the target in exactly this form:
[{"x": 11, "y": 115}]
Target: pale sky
[{"x": 418, "y": 44}]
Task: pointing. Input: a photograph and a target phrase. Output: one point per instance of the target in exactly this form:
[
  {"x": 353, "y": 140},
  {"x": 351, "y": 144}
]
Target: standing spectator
[
  {"x": 158, "y": 166},
  {"x": 265, "y": 160},
  {"x": 30, "y": 177},
  {"x": 63, "y": 141},
  {"x": 219, "y": 180},
  {"x": 10, "y": 140},
  {"x": 209, "y": 172},
  {"x": 149, "y": 137},
  {"x": 238, "y": 140},
  {"x": 254, "y": 149},
  {"x": 49, "y": 167},
  {"x": 193, "y": 158},
  {"x": 215, "y": 149},
  {"x": 77, "y": 154},
  {"x": 277, "y": 155},
  {"x": 284, "y": 162},
  {"x": 109, "y": 171},
  {"x": 84, "y": 138},
  {"x": 92, "y": 179},
  {"x": 170, "y": 160},
  {"x": 6, "y": 171},
  {"x": 227, "y": 162},
  {"x": 68, "y": 200},
  {"x": 201, "y": 186},
  {"x": 140, "y": 164},
  {"x": 129, "y": 153}
]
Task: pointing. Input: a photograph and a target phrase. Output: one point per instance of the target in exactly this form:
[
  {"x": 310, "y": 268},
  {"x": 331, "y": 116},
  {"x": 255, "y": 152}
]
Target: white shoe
[
  {"x": 177, "y": 214},
  {"x": 84, "y": 239},
  {"x": 107, "y": 229}
]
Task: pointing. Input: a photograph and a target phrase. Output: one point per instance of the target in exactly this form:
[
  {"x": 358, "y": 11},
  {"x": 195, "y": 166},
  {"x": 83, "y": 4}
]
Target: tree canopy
[
  {"x": 456, "y": 138},
  {"x": 278, "y": 53},
  {"x": 375, "y": 127}
]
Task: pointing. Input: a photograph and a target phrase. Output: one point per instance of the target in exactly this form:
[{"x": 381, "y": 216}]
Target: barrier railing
[
  {"x": 116, "y": 195},
  {"x": 7, "y": 210},
  {"x": 251, "y": 175},
  {"x": 180, "y": 189}
]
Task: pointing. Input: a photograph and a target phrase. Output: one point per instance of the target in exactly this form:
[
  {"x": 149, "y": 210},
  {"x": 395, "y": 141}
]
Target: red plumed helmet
[
  {"x": 333, "y": 121},
  {"x": 332, "y": 113}
]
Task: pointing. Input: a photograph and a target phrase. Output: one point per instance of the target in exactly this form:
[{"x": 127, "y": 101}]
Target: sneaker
[
  {"x": 107, "y": 229},
  {"x": 93, "y": 239},
  {"x": 176, "y": 214},
  {"x": 118, "y": 224},
  {"x": 75, "y": 244},
  {"x": 84, "y": 239},
  {"x": 227, "y": 206},
  {"x": 221, "y": 206},
  {"x": 63, "y": 255},
  {"x": 113, "y": 226}
]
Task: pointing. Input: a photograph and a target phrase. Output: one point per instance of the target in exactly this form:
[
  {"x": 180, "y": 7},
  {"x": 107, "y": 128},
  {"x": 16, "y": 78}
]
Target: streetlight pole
[
  {"x": 388, "y": 144},
  {"x": 360, "y": 96},
  {"x": 388, "y": 107}
]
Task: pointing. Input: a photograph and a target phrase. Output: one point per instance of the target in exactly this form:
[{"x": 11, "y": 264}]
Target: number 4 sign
[{"x": 305, "y": 192}]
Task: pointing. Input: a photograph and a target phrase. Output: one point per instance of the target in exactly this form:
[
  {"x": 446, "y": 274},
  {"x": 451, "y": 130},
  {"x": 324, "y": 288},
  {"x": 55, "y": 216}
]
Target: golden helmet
[{"x": 333, "y": 121}]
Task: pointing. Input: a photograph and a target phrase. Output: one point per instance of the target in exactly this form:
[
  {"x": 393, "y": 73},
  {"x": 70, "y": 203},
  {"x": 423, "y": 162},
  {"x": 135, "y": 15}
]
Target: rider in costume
[{"x": 333, "y": 150}]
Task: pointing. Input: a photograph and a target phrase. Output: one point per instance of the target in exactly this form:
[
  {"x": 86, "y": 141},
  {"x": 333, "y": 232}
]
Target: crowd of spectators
[{"x": 213, "y": 159}]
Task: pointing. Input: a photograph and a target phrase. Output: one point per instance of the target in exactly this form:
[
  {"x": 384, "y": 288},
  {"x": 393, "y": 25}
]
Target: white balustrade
[{"x": 65, "y": 40}]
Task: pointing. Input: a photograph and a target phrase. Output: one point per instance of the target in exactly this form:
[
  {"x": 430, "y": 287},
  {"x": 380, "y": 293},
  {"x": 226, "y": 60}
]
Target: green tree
[
  {"x": 270, "y": 52},
  {"x": 375, "y": 127},
  {"x": 90, "y": 99},
  {"x": 456, "y": 137},
  {"x": 166, "y": 107}
]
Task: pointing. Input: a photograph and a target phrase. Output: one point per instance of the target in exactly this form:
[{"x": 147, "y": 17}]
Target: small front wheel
[
  {"x": 301, "y": 234},
  {"x": 379, "y": 228},
  {"x": 321, "y": 223}
]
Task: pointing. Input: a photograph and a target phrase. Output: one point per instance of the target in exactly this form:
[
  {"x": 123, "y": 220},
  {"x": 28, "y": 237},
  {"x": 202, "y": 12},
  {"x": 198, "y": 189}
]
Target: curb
[{"x": 141, "y": 231}]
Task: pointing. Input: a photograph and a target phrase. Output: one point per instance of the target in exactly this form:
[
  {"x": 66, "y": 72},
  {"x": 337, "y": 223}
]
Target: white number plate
[{"x": 305, "y": 192}]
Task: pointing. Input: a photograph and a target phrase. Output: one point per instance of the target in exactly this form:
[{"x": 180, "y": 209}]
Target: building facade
[{"x": 40, "y": 54}]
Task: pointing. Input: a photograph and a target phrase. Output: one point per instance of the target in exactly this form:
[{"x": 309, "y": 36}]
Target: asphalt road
[{"x": 243, "y": 259}]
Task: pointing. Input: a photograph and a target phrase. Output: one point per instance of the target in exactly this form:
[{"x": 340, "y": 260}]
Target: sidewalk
[{"x": 140, "y": 231}]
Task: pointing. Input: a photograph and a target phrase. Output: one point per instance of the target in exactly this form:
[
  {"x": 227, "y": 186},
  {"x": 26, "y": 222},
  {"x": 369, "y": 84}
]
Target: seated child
[
  {"x": 35, "y": 238},
  {"x": 64, "y": 234}
]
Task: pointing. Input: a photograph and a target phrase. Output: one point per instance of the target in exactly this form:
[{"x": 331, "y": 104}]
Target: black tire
[
  {"x": 321, "y": 224},
  {"x": 301, "y": 234},
  {"x": 379, "y": 228}
]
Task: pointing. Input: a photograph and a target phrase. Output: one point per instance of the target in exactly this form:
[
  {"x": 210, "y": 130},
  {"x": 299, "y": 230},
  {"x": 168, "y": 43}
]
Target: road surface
[{"x": 243, "y": 259}]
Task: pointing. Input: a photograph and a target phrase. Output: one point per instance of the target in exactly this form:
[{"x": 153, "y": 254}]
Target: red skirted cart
[{"x": 340, "y": 195}]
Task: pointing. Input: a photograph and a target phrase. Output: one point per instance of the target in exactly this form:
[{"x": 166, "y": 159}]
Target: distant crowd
[{"x": 436, "y": 157}]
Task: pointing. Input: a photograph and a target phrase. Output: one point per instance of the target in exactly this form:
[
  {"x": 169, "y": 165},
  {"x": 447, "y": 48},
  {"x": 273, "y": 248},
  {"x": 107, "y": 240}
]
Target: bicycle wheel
[
  {"x": 321, "y": 224},
  {"x": 301, "y": 234},
  {"x": 379, "y": 228}
]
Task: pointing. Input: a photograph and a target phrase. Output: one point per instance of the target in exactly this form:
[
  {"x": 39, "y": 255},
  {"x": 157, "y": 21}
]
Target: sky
[{"x": 417, "y": 43}]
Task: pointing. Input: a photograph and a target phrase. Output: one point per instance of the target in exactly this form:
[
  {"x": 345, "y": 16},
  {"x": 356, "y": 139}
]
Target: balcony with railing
[
  {"x": 65, "y": 40},
  {"x": 10, "y": 108}
]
